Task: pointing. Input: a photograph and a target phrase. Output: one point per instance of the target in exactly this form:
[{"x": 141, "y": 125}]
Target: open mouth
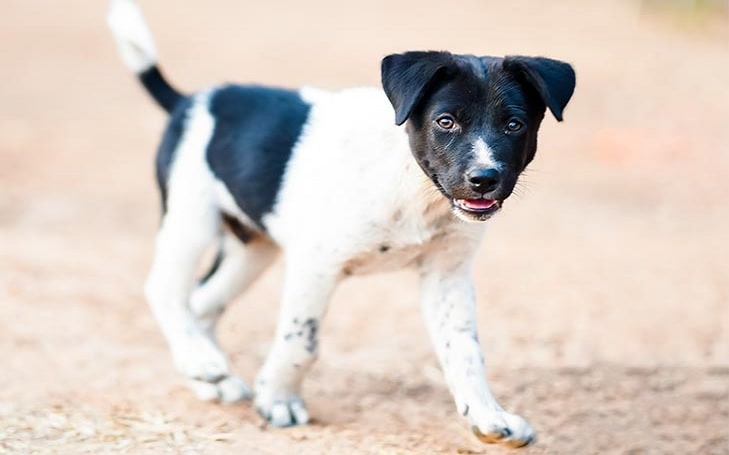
[
  {"x": 477, "y": 208},
  {"x": 468, "y": 209}
]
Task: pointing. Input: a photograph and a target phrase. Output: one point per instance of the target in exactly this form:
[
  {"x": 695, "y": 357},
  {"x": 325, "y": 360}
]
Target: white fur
[
  {"x": 484, "y": 154},
  {"x": 312, "y": 94},
  {"x": 351, "y": 139},
  {"x": 132, "y": 35}
]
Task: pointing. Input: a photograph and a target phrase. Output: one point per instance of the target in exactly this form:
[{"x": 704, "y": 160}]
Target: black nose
[{"x": 483, "y": 180}]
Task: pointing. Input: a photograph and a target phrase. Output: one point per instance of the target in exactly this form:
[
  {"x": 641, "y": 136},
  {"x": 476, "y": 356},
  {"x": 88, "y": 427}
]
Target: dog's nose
[{"x": 483, "y": 180}]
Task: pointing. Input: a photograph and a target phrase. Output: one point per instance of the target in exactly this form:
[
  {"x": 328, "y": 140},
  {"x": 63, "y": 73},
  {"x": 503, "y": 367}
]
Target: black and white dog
[{"x": 340, "y": 188}]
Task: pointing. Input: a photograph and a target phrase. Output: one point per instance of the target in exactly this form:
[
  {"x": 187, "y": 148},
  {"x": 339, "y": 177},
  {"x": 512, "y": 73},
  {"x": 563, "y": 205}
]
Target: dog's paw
[
  {"x": 501, "y": 427},
  {"x": 229, "y": 389},
  {"x": 200, "y": 359},
  {"x": 283, "y": 411}
]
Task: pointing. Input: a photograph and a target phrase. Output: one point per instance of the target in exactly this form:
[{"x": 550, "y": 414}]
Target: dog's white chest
[
  {"x": 400, "y": 242},
  {"x": 382, "y": 259}
]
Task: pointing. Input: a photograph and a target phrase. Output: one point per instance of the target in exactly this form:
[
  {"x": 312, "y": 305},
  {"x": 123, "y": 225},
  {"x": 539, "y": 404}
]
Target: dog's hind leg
[
  {"x": 191, "y": 224},
  {"x": 181, "y": 242},
  {"x": 185, "y": 234},
  {"x": 238, "y": 264}
]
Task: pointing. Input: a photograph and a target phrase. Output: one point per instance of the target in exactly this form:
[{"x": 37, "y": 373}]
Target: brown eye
[
  {"x": 446, "y": 122},
  {"x": 514, "y": 126}
]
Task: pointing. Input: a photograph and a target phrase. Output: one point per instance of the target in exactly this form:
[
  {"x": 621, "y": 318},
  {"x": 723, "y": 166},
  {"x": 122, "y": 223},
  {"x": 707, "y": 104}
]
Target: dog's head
[{"x": 473, "y": 121}]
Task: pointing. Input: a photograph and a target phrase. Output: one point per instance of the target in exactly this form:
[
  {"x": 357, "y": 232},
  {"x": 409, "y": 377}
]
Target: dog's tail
[{"x": 138, "y": 51}]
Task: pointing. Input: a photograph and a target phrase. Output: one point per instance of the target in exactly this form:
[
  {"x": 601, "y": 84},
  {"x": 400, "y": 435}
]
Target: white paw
[
  {"x": 499, "y": 426},
  {"x": 281, "y": 409},
  {"x": 230, "y": 389},
  {"x": 200, "y": 359}
]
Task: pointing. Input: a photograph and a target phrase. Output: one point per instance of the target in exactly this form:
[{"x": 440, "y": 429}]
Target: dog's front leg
[
  {"x": 449, "y": 308},
  {"x": 307, "y": 289}
]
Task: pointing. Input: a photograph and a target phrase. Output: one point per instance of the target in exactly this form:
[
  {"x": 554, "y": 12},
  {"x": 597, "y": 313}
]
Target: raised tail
[{"x": 138, "y": 51}]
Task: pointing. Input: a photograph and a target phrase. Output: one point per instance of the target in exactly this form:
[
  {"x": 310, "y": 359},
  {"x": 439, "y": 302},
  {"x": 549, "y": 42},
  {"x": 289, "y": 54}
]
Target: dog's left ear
[
  {"x": 552, "y": 79},
  {"x": 408, "y": 77}
]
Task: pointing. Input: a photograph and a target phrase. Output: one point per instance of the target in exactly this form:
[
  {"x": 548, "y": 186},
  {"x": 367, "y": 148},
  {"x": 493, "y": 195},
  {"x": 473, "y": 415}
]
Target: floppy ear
[
  {"x": 552, "y": 79},
  {"x": 407, "y": 77}
]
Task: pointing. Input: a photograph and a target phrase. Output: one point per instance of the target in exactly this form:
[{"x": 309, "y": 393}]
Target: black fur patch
[
  {"x": 244, "y": 233},
  {"x": 312, "y": 341},
  {"x": 168, "y": 146},
  {"x": 157, "y": 86},
  {"x": 256, "y": 129}
]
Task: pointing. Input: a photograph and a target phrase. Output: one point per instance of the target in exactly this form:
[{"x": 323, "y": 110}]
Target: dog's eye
[
  {"x": 514, "y": 126},
  {"x": 446, "y": 122}
]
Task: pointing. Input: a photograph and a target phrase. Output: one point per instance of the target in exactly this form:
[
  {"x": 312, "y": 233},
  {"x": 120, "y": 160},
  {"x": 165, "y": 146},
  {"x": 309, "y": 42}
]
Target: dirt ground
[{"x": 603, "y": 286}]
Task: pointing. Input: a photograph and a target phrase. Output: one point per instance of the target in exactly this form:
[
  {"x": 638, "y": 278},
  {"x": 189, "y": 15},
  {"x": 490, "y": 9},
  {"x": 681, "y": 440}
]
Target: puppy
[{"x": 340, "y": 187}]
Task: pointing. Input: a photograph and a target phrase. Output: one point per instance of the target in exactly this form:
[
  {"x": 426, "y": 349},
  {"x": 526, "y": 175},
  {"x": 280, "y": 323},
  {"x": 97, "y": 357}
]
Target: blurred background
[{"x": 603, "y": 286}]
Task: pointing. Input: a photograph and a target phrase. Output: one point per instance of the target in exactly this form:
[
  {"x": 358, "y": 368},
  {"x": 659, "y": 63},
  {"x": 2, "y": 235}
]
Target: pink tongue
[{"x": 479, "y": 204}]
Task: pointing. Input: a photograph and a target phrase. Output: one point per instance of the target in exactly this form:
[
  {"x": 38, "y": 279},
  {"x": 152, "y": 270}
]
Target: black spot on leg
[
  {"x": 465, "y": 411},
  {"x": 384, "y": 248},
  {"x": 311, "y": 326}
]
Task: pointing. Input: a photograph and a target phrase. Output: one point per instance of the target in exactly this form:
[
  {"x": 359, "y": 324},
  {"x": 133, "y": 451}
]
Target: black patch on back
[
  {"x": 256, "y": 129},
  {"x": 170, "y": 140}
]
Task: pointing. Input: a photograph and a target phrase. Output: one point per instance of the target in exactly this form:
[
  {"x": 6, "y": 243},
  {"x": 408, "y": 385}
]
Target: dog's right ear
[
  {"x": 408, "y": 77},
  {"x": 553, "y": 80}
]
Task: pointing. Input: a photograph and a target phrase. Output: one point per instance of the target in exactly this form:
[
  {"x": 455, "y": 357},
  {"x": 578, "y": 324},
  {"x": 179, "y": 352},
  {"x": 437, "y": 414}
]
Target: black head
[{"x": 473, "y": 121}]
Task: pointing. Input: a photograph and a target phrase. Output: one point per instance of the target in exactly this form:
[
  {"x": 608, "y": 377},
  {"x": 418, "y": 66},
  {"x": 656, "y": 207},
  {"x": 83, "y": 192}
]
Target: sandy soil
[{"x": 603, "y": 287}]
